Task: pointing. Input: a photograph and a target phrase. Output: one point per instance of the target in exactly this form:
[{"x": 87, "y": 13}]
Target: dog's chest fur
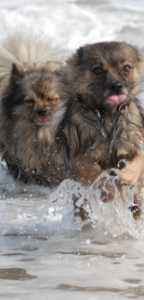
[
  {"x": 104, "y": 137},
  {"x": 33, "y": 155},
  {"x": 120, "y": 136}
]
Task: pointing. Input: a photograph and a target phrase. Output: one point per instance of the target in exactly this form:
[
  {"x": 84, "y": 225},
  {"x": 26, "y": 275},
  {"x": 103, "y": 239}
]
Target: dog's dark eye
[
  {"x": 29, "y": 101},
  {"x": 127, "y": 69},
  {"x": 98, "y": 71}
]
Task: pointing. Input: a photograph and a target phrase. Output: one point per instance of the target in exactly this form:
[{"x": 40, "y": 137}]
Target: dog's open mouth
[
  {"x": 41, "y": 121},
  {"x": 117, "y": 99}
]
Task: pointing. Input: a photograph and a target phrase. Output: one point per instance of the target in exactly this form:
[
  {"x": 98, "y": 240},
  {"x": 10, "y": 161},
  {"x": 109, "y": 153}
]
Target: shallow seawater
[{"x": 46, "y": 251}]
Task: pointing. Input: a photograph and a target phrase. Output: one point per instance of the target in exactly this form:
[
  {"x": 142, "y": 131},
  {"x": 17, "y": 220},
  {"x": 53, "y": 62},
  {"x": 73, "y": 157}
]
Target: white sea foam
[{"x": 34, "y": 210}]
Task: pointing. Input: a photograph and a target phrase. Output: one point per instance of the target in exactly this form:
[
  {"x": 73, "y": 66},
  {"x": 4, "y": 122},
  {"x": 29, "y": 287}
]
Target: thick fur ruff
[
  {"x": 106, "y": 124},
  {"x": 27, "y": 50},
  {"x": 33, "y": 102}
]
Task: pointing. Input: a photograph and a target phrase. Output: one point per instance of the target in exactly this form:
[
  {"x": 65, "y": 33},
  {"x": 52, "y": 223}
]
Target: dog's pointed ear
[
  {"x": 78, "y": 56},
  {"x": 140, "y": 56},
  {"x": 76, "y": 59},
  {"x": 80, "y": 51},
  {"x": 17, "y": 71}
]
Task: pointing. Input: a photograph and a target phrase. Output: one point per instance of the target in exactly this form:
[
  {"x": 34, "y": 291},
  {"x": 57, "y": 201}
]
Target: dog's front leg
[
  {"x": 107, "y": 188},
  {"x": 136, "y": 206},
  {"x": 86, "y": 171},
  {"x": 133, "y": 174}
]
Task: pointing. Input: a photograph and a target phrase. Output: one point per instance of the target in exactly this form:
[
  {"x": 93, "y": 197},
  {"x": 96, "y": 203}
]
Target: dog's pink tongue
[{"x": 117, "y": 99}]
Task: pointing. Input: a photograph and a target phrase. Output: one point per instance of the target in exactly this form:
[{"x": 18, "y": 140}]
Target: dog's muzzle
[
  {"x": 116, "y": 93},
  {"x": 41, "y": 116}
]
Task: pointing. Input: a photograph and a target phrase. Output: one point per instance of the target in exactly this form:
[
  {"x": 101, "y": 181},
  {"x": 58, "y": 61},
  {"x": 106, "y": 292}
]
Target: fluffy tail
[{"x": 27, "y": 50}]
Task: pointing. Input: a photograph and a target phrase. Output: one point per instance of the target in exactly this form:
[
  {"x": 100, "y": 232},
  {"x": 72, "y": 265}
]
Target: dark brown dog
[
  {"x": 33, "y": 101},
  {"x": 106, "y": 124}
]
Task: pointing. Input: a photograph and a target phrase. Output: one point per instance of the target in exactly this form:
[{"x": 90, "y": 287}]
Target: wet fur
[
  {"x": 103, "y": 134},
  {"x": 33, "y": 102}
]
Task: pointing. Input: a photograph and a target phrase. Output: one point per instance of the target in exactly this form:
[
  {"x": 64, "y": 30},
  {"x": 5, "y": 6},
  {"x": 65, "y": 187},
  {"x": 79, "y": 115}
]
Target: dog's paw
[
  {"x": 106, "y": 196},
  {"x": 136, "y": 210},
  {"x": 121, "y": 164},
  {"x": 133, "y": 172},
  {"x": 82, "y": 208},
  {"x": 113, "y": 172}
]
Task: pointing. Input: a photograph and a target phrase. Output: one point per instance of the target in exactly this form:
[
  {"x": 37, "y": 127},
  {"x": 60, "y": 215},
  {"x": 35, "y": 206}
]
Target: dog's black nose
[
  {"x": 116, "y": 87},
  {"x": 41, "y": 111}
]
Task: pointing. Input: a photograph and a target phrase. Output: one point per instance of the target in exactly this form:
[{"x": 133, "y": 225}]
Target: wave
[{"x": 40, "y": 211}]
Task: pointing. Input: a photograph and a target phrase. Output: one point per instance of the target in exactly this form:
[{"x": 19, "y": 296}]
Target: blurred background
[{"x": 76, "y": 22}]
